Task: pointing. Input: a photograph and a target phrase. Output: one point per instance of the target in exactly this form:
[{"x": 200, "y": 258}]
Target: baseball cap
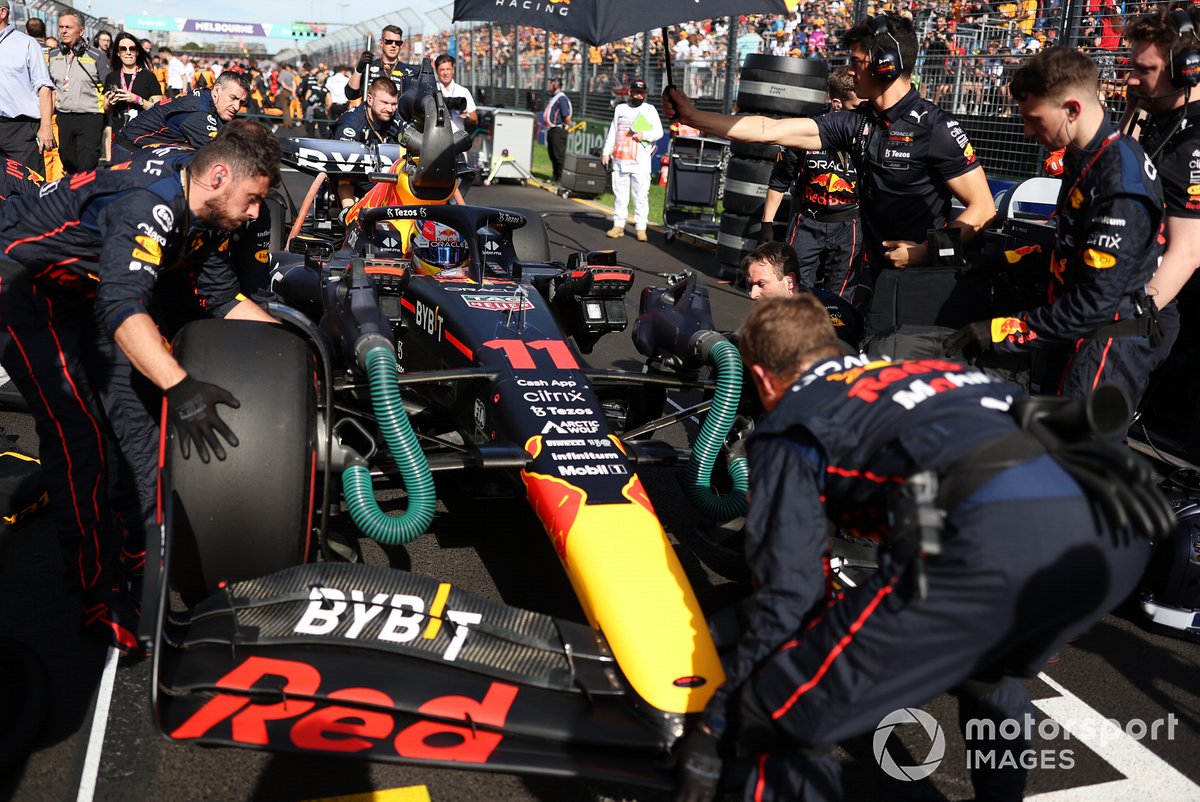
[{"x": 637, "y": 85}]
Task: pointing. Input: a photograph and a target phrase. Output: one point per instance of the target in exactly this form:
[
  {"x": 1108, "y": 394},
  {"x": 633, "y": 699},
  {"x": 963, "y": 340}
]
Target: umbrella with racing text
[{"x": 598, "y": 22}]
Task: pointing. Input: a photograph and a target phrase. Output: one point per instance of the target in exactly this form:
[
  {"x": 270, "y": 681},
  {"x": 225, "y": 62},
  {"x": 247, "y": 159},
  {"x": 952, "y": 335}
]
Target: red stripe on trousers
[{"x": 835, "y": 652}]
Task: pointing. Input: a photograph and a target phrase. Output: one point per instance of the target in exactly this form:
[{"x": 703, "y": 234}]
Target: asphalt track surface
[{"x": 90, "y": 734}]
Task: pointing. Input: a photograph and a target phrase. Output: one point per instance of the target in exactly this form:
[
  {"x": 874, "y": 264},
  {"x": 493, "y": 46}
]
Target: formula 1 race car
[{"x": 384, "y": 373}]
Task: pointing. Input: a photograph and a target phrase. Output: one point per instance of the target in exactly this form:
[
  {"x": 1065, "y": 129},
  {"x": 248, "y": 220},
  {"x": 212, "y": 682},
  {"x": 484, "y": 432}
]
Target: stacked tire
[{"x": 773, "y": 86}]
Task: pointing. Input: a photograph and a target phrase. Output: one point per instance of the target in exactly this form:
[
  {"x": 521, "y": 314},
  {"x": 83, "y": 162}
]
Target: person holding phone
[{"x": 131, "y": 86}]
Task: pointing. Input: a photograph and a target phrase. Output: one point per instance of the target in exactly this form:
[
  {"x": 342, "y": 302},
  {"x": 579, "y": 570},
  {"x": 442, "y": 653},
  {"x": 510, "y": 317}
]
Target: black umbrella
[{"x": 597, "y": 22}]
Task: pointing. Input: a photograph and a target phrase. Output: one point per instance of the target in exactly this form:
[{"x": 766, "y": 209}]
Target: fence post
[
  {"x": 646, "y": 58},
  {"x": 585, "y": 64},
  {"x": 1072, "y": 17},
  {"x": 731, "y": 63}
]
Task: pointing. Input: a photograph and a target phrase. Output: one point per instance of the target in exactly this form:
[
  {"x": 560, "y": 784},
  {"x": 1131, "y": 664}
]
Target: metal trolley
[{"x": 693, "y": 181}]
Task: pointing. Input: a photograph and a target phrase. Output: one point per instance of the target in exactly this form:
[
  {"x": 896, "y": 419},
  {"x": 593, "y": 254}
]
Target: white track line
[
  {"x": 1147, "y": 776},
  {"x": 91, "y": 761}
]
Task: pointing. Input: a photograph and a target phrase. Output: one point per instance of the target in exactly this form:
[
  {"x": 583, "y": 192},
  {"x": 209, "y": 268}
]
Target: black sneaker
[{"x": 115, "y": 620}]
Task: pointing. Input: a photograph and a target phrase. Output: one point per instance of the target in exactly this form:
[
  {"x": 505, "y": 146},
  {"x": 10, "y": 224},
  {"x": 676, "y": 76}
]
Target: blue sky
[{"x": 261, "y": 11}]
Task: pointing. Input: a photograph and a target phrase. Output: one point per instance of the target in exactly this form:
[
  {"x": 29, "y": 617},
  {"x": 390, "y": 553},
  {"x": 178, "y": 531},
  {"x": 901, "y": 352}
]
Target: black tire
[
  {"x": 753, "y": 150},
  {"x": 772, "y": 92},
  {"x": 802, "y": 67},
  {"x": 737, "y": 236},
  {"x": 746, "y": 185},
  {"x": 250, "y": 514},
  {"x": 531, "y": 242}
]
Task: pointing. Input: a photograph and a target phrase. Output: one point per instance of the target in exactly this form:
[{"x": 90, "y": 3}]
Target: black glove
[
  {"x": 766, "y": 232},
  {"x": 971, "y": 340},
  {"x": 365, "y": 58},
  {"x": 699, "y": 768},
  {"x": 192, "y": 405}
]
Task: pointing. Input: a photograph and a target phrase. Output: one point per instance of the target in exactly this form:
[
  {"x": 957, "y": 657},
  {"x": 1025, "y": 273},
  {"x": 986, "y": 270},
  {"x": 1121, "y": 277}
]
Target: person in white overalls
[{"x": 630, "y": 146}]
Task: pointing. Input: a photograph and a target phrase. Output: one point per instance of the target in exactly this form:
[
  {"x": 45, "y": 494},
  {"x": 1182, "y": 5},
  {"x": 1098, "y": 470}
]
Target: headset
[
  {"x": 1185, "y": 65},
  {"x": 886, "y": 62},
  {"x": 79, "y": 49}
]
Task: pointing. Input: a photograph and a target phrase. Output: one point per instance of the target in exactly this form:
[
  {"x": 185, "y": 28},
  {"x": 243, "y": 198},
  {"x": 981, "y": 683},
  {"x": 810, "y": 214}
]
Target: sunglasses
[
  {"x": 127, "y": 50},
  {"x": 396, "y": 42}
]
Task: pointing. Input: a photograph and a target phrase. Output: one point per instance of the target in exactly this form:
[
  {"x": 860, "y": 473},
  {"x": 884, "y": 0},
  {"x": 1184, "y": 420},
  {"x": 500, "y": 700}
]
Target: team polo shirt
[
  {"x": 1178, "y": 161},
  {"x": 904, "y": 157}
]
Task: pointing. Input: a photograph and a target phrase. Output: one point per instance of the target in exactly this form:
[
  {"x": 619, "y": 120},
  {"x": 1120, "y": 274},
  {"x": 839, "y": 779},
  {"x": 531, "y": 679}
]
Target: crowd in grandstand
[{"x": 969, "y": 51}]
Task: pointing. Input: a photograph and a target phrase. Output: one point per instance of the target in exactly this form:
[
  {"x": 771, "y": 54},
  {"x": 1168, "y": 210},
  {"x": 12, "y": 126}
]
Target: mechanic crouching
[
  {"x": 1107, "y": 242},
  {"x": 992, "y": 558},
  {"x": 77, "y": 289}
]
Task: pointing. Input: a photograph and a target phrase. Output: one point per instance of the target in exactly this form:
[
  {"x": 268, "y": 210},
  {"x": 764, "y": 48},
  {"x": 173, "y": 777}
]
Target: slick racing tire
[
  {"x": 531, "y": 242},
  {"x": 778, "y": 85},
  {"x": 737, "y": 236},
  {"x": 753, "y": 150},
  {"x": 250, "y": 514},
  {"x": 796, "y": 68},
  {"x": 746, "y": 185}
]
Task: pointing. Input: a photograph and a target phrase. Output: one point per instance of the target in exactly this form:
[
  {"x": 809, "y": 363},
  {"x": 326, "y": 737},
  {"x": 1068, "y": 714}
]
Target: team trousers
[
  {"x": 97, "y": 424},
  {"x": 1026, "y": 565}
]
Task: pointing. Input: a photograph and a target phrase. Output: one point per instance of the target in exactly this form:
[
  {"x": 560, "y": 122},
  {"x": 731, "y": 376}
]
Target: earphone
[
  {"x": 1185, "y": 65},
  {"x": 79, "y": 49},
  {"x": 886, "y": 62}
]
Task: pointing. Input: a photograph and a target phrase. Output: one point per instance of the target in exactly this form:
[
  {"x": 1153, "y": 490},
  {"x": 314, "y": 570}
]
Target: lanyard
[
  {"x": 1108, "y": 140},
  {"x": 128, "y": 86}
]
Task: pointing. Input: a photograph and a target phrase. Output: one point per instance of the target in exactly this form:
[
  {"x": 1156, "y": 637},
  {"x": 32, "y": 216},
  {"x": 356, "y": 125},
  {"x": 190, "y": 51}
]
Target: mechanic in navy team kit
[
  {"x": 371, "y": 123},
  {"x": 824, "y": 229},
  {"x": 928, "y": 442},
  {"x": 1107, "y": 241},
  {"x": 77, "y": 290},
  {"x": 1164, "y": 72},
  {"x": 770, "y": 271},
  {"x": 191, "y": 119},
  {"x": 388, "y": 65},
  {"x": 17, "y": 179},
  {"x": 910, "y": 155},
  {"x": 249, "y": 248}
]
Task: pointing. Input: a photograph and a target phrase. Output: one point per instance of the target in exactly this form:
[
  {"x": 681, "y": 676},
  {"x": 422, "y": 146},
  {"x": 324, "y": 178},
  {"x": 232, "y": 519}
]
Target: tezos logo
[{"x": 937, "y": 744}]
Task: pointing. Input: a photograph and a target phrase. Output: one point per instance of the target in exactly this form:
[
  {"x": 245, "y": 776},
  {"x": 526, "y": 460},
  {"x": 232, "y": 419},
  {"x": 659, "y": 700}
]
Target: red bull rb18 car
[{"x": 457, "y": 357}]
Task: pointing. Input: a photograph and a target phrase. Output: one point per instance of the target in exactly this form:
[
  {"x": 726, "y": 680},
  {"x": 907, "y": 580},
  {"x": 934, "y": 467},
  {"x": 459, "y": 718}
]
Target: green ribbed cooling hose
[
  {"x": 717, "y": 423},
  {"x": 391, "y": 530}
]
